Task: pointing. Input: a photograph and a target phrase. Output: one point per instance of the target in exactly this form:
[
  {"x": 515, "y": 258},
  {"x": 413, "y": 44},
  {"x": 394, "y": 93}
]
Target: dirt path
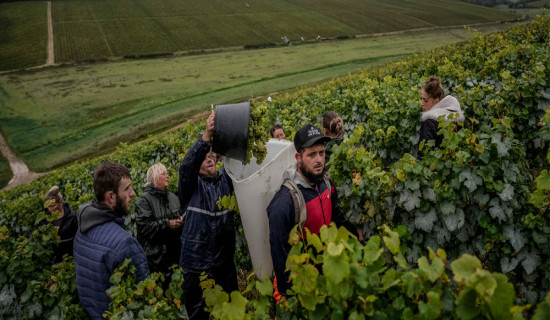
[
  {"x": 51, "y": 59},
  {"x": 21, "y": 173}
]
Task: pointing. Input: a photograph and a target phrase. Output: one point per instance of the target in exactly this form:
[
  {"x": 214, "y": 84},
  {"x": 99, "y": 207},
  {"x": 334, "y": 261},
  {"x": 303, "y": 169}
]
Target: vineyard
[
  {"x": 462, "y": 232},
  {"x": 85, "y": 31},
  {"x": 24, "y": 36}
]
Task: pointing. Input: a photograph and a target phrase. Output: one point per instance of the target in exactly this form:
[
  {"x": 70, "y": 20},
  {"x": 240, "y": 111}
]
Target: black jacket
[
  {"x": 162, "y": 245},
  {"x": 66, "y": 229}
]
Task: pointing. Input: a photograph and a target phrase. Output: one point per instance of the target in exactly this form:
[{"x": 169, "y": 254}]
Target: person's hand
[
  {"x": 176, "y": 223},
  {"x": 209, "y": 131}
]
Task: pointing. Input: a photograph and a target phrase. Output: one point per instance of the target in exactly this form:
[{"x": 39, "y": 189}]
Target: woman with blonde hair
[
  {"x": 159, "y": 221},
  {"x": 333, "y": 127},
  {"x": 65, "y": 222}
]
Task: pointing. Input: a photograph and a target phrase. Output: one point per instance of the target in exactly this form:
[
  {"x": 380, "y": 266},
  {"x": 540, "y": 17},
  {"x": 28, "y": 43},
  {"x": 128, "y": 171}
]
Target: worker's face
[
  {"x": 124, "y": 196},
  {"x": 427, "y": 101},
  {"x": 162, "y": 180},
  {"x": 56, "y": 207},
  {"x": 208, "y": 166},
  {"x": 279, "y": 134},
  {"x": 311, "y": 163}
]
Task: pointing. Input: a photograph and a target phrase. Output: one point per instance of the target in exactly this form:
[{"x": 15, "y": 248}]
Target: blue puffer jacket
[
  {"x": 100, "y": 246},
  {"x": 208, "y": 239}
]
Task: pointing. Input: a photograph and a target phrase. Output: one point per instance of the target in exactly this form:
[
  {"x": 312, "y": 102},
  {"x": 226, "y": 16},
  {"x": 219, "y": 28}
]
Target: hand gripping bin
[{"x": 255, "y": 185}]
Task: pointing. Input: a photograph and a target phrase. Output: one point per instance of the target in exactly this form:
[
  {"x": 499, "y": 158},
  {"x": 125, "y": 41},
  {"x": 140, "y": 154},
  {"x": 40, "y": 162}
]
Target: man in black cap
[{"x": 307, "y": 198}]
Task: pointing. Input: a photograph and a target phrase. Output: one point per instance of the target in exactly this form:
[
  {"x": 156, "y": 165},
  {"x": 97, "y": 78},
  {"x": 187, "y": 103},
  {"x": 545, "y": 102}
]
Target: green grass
[
  {"x": 57, "y": 115},
  {"x": 24, "y": 34},
  {"x": 5, "y": 171},
  {"x": 95, "y": 30}
]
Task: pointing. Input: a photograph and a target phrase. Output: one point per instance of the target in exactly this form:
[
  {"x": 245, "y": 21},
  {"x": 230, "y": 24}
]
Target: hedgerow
[{"x": 485, "y": 192}]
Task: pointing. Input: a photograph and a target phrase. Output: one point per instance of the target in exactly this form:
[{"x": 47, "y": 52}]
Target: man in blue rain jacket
[{"x": 208, "y": 239}]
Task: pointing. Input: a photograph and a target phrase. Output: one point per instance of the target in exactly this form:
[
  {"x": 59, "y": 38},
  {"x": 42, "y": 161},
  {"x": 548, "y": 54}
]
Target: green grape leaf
[
  {"x": 265, "y": 287},
  {"x": 391, "y": 240},
  {"x": 215, "y": 297},
  {"x": 484, "y": 283},
  {"x": 335, "y": 250},
  {"x": 372, "y": 250},
  {"x": 336, "y": 268},
  {"x": 401, "y": 261},
  {"x": 464, "y": 267},
  {"x": 507, "y": 193},
  {"x": 408, "y": 314},
  {"x": 503, "y": 297},
  {"x": 398, "y": 303},
  {"x": 234, "y": 310},
  {"x": 412, "y": 283},
  {"x": 433, "y": 270},
  {"x": 356, "y": 316},
  {"x": 447, "y": 208},
  {"x": 294, "y": 237},
  {"x": 328, "y": 234},
  {"x": 389, "y": 279},
  {"x": 315, "y": 241},
  {"x": 466, "y": 307},
  {"x": 543, "y": 309},
  {"x": 543, "y": 180},
  {"x": 432, "y": 308}
]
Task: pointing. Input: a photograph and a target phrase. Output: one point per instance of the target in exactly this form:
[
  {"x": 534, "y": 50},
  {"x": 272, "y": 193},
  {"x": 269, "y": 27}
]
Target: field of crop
[
  {"x": 56, "y": 115},
  {"x": 95, "y": 30},
  {"x": 382, "y": 16},
  {"x": 24, "y": 35},
  {"x": 461, "y": 232}
]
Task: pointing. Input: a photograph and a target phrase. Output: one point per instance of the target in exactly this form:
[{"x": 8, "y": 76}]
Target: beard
[
  {"x": 120, "y": 206},
  {"x": 311, "y": 176}
]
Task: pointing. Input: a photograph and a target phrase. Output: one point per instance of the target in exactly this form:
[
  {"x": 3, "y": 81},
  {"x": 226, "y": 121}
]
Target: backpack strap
[
  {"x": 327, "y": 183},
  {"x": 300, "y": 210}
]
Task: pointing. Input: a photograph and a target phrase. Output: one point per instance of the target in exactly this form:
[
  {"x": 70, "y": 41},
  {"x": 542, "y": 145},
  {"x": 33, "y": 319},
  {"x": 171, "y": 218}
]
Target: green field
[
  {"x": 57, "y": 115},
  {"x": 24, "y": 35},
  {"x": 96, "y": 30}
]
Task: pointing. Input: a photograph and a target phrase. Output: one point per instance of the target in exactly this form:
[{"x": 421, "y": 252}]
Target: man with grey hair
[{"x": 159, "y": 221}]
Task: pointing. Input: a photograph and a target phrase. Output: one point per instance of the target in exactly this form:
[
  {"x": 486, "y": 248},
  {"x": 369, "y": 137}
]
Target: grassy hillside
[
  {"x": 56, "y": 115},
  {"x": 91, "y": 30}
]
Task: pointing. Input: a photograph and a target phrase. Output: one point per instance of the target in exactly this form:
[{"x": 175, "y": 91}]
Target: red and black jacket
[{"x": 322, "y": 209}]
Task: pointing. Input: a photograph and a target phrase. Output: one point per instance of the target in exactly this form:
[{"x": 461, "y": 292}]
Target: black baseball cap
[{"x": 307, "y": 136}]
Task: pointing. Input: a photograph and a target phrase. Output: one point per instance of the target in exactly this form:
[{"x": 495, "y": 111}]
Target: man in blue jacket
[
  {"x": 319, "y": 197},
  {"x": 101, "y": 244},
  {"x": 208, "y": 239}
]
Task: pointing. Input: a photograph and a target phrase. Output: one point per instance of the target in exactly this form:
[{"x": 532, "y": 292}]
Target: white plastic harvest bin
[{"x": 255, "y": 185}]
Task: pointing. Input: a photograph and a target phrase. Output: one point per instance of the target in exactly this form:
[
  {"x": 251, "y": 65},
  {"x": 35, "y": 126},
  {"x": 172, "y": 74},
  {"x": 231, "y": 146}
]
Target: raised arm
[{"x": 191, "y": 164}]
